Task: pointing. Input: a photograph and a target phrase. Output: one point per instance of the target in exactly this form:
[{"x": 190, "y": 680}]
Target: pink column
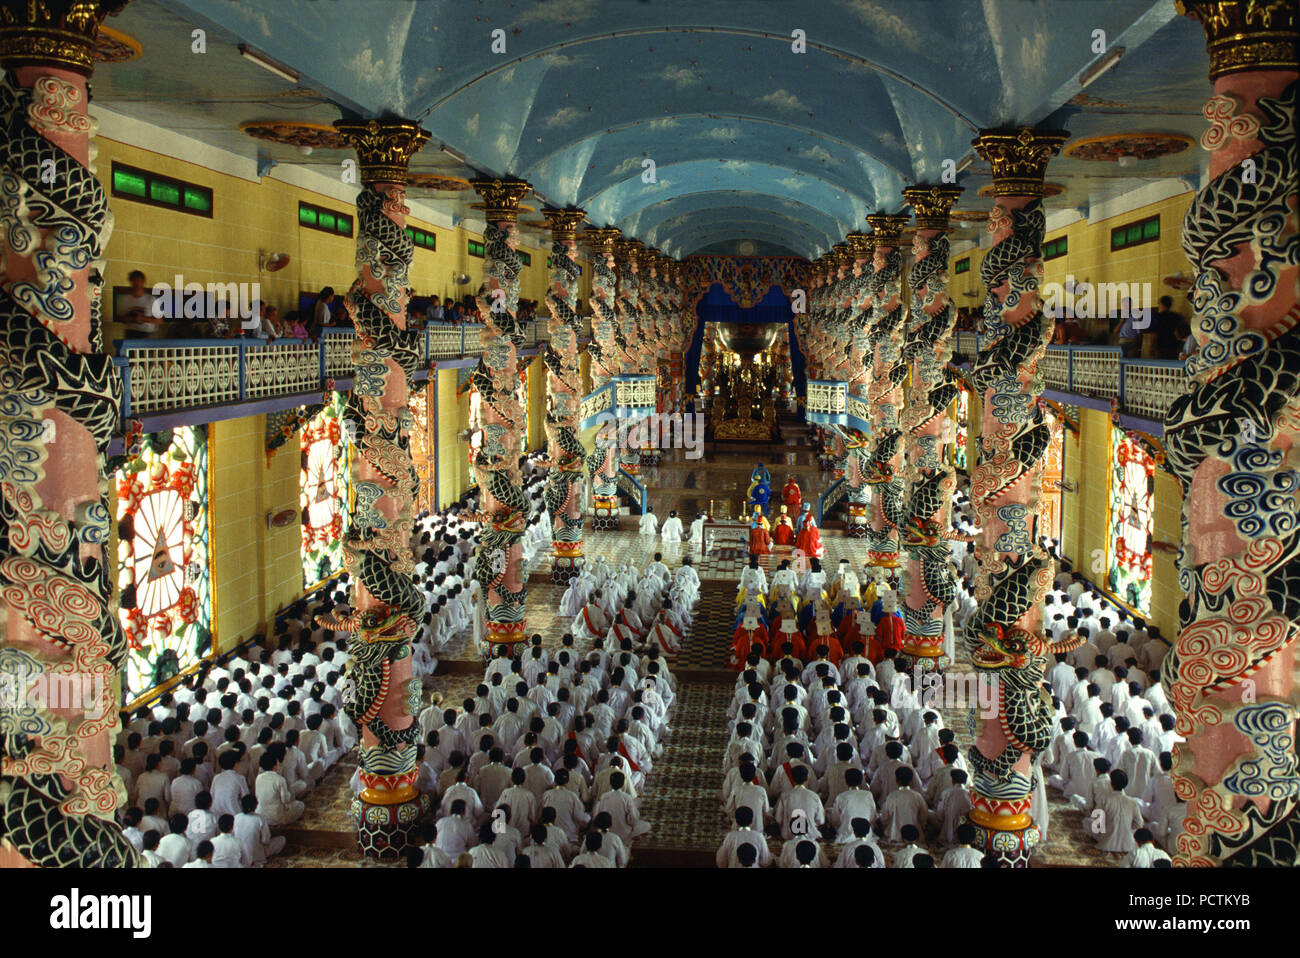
[
  {"x": 929, "y": 584},
  {"x": 63, "y": 645},
  {"x": 1230, "y": 441},
  {"x": 377, "y": 552},
  {"x": 563, "y": 495},
  {"x": 1005, "y": 633},
  {"x": 602, "y": 461}
]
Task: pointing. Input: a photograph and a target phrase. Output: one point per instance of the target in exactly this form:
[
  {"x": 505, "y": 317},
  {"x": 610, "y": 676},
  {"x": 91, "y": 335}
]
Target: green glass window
[{"x": 145, "y": 187}]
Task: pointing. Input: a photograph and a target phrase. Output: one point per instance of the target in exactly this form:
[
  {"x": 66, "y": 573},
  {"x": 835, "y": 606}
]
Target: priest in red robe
[
  {"x": 760, "y": 540},
  {"x": 889, "y": 630},
  {"x": 783, "y": 533},
  {"x": 791, "y": 495},
  {"x": 809, "y": 540},
  {"x": 748, "y": 634}
]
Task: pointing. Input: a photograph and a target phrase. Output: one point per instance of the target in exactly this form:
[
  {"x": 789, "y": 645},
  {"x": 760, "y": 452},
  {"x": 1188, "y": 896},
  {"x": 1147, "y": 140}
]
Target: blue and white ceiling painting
[{"x": 749, "y": 139}]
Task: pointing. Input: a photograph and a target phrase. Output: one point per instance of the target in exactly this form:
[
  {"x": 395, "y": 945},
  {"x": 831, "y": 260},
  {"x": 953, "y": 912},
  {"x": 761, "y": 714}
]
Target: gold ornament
[
  {"x": 384, "y": 147},
  {"x": 501, "y": 198},
  {"x": 1246, "y": 35},
  {"x": 1019, "y": 157},
  {"x": 932, "y": 205}
]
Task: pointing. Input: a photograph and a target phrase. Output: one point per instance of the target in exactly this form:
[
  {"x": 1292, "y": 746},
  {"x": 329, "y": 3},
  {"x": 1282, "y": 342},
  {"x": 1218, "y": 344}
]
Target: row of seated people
[
  {"x": 219, "y": 759},
  {"x": 503, "y": 767},
  {"x": 544, "y": 765},
  {"x": 843, "y": 755},
  {"x": 652, "y": 607}
]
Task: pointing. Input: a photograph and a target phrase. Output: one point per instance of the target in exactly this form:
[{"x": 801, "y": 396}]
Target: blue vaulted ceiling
[{"x": 749, "y": 139}]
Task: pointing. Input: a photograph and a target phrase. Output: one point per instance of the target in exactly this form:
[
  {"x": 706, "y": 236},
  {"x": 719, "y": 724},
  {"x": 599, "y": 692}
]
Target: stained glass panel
[
  {"x": 163, "y": 579},
  {"x": 1132, "y": 487},
  {"x": 324, "y": 492}
]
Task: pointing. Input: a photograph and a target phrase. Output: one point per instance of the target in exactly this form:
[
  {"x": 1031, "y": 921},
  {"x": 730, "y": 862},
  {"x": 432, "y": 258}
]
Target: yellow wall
[
  {"x": 255, "y": 570},
  {"x": 536, "y": 404},
  {"x": 250, "y": 217},
  {"x": 453, "y": 415},
  {"x": 1090, "y": 260}
]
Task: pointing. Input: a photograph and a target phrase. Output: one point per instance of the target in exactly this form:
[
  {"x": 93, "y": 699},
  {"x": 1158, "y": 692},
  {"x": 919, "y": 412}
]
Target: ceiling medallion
[
  {"x": 438, "y": 181},
  {"x": 113, "y": 46},
  {"x": 1046, "y": 189},
  {"x": 1141, "y": 146},
  {"x": 294, "y": 133}
]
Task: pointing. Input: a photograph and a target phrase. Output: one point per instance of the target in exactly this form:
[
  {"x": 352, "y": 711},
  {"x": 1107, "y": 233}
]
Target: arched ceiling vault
[{"x": 881, "y": 94}]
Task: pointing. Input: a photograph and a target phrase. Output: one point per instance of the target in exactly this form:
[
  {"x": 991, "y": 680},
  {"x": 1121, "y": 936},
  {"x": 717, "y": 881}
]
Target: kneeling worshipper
[
  {"x": 760, "y": 541},
  {"x": 751, "y": 632},
  {"x": 592, "y": 624},
  {"x": 688, "y": 580},
  {"x": 697, "y": 531},
  {"x": 649, "y": 524},
  {"x": 671, "y": 532},
  {"x": 889, "y": 628},
  {"x": 575, "y": 596},
  {"x": 820, "y": 632},
  {"x": 809, "y": 540},
  {"x": 753, "y": 582},
  {"x": 664, "y": 636},
  {"x": 783, "y": 530}
]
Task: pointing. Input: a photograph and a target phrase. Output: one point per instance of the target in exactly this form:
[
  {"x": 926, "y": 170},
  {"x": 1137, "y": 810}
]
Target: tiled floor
[{"x": 680, "y": 799}]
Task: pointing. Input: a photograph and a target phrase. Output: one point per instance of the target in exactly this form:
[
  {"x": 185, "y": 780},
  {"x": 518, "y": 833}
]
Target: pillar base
[
  {"x": 386, "y": 831},
  {"x": 1004, "y": 829},
  {"x": 566, "y": 562},
  {"x": 604, "y": 513}
]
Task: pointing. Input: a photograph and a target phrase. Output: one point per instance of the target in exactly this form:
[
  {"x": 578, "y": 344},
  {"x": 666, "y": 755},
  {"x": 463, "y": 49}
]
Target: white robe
[
  {"x": 649, "y": 524},
  {"x": 672, "y": 530}
]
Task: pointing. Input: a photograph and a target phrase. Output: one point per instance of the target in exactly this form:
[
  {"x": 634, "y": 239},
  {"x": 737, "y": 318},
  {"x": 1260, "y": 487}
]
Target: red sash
[{"x": 622, "y": 750}]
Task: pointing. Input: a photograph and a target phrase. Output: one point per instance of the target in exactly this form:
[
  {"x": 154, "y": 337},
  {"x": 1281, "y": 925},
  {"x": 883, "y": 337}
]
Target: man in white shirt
[
  {"x": 227, "y": 850},
  {"x": 963, "y": 855},
  {"x": 743, "y": 835},
  {"x": 1145, "y": 852},
  {"x": 255, "y": 835}
]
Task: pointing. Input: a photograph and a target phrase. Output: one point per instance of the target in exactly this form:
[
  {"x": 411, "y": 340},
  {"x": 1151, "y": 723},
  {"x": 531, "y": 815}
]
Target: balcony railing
[
  {"x": 1145, "y": 388},
  {"x": 170, "y": 375}
]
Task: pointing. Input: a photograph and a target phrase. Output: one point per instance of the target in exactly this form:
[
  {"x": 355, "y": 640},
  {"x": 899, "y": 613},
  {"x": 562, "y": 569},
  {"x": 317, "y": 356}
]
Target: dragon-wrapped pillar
[
  {"x": 1231, "y": 441},
  {"x": 602, "y": 461},
  {"x": 383, "y": 696},
  {"x": 628, "y": 337},
  {"x": 857, "y": 376},
  {"x": 886, "y": 390},
  {"x": 929, "y": 585},
  {"x": 564, "y": 483},
  {"x": 61, "y": 641},
  {"x": 504, "y": 507},
  {"x": 1005, "y": 635}
]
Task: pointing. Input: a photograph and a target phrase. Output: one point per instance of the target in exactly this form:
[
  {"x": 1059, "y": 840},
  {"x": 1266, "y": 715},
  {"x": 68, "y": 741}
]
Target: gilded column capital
[
  {"x": 932, "y": 204},
  {"x": 1019, "y": 157},
  {"x": 887, "y": 228},
  {"x": 58, "y": 33},
  {"x": 564, "y": 223},
  {"x": 1246, "y": 35},
  {"x": 384, "y": 147},
  {"x": 501, "y": 196}
]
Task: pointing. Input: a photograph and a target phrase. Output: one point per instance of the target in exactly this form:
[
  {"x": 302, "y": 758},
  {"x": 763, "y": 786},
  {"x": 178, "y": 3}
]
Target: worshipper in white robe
[
  {"x": 625, "y": 818},
  {"x": 743, "y": 835},
  {"x": 275, "y": 801},
  {"x": 697, "y": 531},
  {"x": 575, "y": 596},
  {"x": 1145, "y": 851},
  {"x": 591, "y": 857},
  {"x": 963, "y": 855},
  {"x": 671, "y": 531},
  {"x": 255, "y": 835},
  {"x": 649, "y": 523},
  {"x": 753, "y": 582},
  {"x": 954, "y": 806},
  {"x": 903, "y": 806},
  {"x": 802, "y": 852},
  {"x": 905, "y": 857},
  {"x": 1116, "y": 817}
]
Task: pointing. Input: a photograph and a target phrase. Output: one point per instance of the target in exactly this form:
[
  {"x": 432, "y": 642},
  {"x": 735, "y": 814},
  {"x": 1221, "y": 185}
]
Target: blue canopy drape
[{"x": 716, "y": 306}]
